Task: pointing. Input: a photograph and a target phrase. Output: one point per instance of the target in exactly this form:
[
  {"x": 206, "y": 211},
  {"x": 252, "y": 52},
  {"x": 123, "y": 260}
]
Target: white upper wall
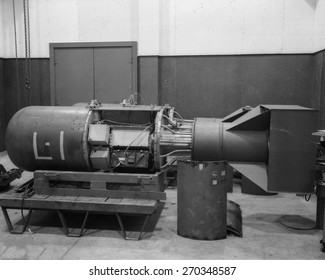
[
  {"x": 319, "y": 34},
  {"x": 1, "y": 29},
  {"x": 170, "y": 27}
]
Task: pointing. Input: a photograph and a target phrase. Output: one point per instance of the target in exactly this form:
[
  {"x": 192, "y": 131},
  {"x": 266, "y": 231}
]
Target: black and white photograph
[{"x": 162, "y": 139}]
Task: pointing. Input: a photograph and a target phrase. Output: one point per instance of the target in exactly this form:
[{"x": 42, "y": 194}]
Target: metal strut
[
  {"x": 65, "y": 226},
  {"x": 9, "y": 224},
  {"x": 128, "y": 236}
]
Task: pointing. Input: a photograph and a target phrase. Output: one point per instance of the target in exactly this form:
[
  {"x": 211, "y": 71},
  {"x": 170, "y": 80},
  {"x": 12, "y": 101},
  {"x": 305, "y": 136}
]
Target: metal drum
[
  {"x": 202, "y": 200},
  {"x": 48, "y": 138}
]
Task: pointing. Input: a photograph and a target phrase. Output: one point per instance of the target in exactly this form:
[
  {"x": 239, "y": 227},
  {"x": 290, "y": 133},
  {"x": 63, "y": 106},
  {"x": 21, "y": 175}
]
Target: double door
[{"x": 81, "y": 72}]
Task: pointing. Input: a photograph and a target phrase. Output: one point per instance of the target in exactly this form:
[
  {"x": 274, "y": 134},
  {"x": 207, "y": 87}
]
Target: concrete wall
[
  {"x": 40, "y": 85},
  {"x": 172, "y": 27},
  {"x": 198, "y": 86},
  {"x": 2, "y": 93},
  {"x": 215, "y": 86},
  {"x": 205, "y": 86},
  {"x": 320, "y": 82}
]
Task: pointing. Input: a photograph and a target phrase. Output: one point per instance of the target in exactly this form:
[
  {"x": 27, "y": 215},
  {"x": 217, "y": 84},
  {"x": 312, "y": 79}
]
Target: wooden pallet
[{"x": 100, "y": 184}]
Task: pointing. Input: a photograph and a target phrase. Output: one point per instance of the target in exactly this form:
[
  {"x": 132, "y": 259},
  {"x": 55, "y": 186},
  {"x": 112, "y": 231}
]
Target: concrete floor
[{"x": 264, "y": 235}]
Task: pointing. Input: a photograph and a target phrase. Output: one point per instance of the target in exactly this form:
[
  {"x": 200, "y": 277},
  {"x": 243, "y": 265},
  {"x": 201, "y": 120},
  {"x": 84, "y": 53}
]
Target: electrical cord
[
  {"x": 168, "y": 164},
  {"x": 138, "y": 137},
  {"x": 170, "y": 121},
  {"x": 28, "y": 191},
  {"x": 119, "y": 164},
  {"x": 138, "y": 160},
  {"x": 180, "y": 119},
  {"x": 176, "y": 151},
  {"x": 122, "y": 123},
  {"x": 179, "y": 116},
  {"x": 307, "y": 199},
  {"x": 173, "y": 131}
]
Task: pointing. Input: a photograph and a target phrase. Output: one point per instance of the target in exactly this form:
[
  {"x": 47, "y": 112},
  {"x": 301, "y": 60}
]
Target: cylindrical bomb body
[
  {"x": 213, "y": 141},
  {"x": 48, "y": 137},
  {"x": 56, "y": 138}
]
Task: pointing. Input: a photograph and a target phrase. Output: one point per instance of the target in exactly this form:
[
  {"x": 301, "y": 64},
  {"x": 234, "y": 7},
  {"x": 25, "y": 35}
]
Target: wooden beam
[{"x": 100, "y": 193}]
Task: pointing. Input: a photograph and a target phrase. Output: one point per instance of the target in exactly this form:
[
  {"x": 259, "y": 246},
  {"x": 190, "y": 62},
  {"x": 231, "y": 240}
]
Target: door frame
[{"x": 129, "y": 44}]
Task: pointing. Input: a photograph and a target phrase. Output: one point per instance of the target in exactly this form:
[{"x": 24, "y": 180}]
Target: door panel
[
  {"x": 113, "y": 74},
  {"x": 81, "y": 72},
  {"x": 74, "y": 81}
]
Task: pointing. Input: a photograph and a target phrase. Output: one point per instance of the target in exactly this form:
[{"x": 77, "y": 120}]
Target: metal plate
[
  {"x": 234, "y": 219},
  {"x": 128, "y": 137},
  {"x": 100, "y": 159},
  {"x": 292, "y": 152},
  {"x": 297, "y": 222},
  {"x": 256, "y": 172},
  {"x": 253, "y": 120},
  {"x": 98, "y": 134}
]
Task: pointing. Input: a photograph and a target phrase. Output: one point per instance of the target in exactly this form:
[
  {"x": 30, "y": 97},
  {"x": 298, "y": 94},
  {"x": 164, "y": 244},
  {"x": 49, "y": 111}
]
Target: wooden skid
[
  {"x": 100, "y": 193},
  {"x": 13, "y": 200},
  {"x": 128, "y": 185}
]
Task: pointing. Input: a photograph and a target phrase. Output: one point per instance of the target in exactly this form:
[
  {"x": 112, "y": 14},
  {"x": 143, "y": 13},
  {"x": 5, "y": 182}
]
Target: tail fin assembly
[{"x": 291, "y": 148}]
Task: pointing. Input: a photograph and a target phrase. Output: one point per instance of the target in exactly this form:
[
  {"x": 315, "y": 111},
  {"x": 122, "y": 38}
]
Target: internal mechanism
[{"x": 146, "y": 139}]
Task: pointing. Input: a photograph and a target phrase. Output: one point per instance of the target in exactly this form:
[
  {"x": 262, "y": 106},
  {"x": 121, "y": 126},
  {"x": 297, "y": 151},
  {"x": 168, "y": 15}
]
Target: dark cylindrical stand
[{"x": 202, "y": 200}]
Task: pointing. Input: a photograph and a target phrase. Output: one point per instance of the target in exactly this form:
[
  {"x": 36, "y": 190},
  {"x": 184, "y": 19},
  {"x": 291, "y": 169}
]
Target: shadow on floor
[{"x": 276, "y": 223}]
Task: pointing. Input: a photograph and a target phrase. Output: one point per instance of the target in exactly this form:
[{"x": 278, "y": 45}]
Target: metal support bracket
[
  {"x": 9, "y": 224},
  {"x": 322, "y": 247},
  {"x": 65, "y": 226},
  {"x": 128, "y": 236},
  {"x": 322, "y": 242}
]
